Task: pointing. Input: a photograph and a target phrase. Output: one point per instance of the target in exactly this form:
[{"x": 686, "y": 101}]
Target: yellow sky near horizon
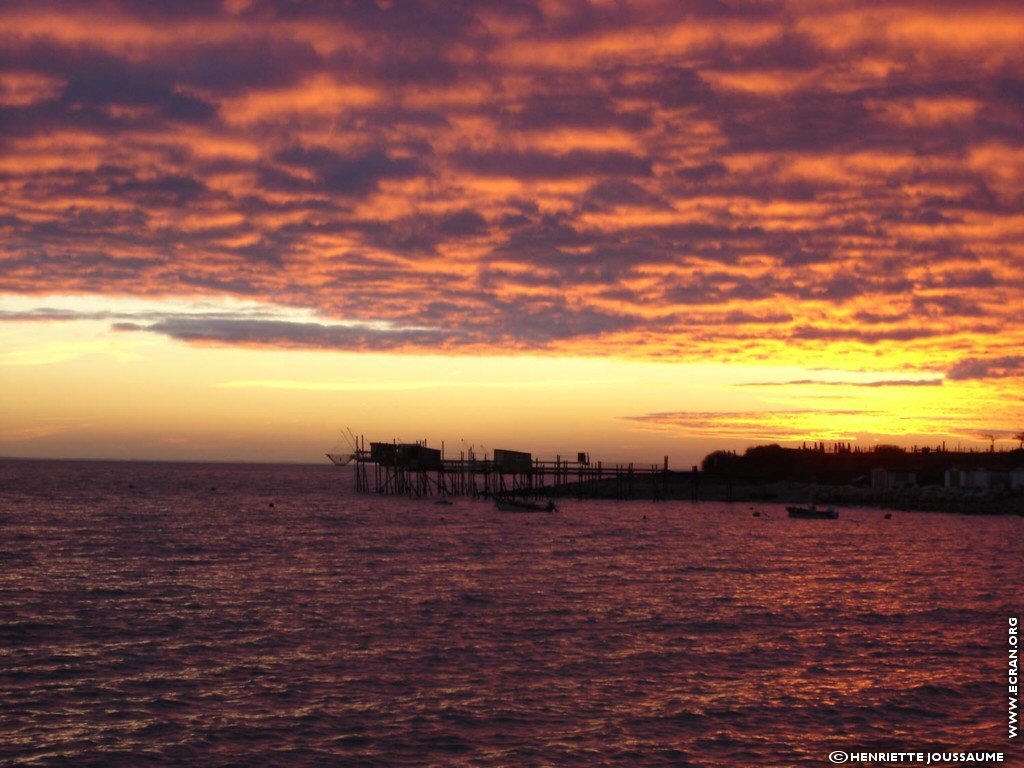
[{"x": 80, "y": 388}]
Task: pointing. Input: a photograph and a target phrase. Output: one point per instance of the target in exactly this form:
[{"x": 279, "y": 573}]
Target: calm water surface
[{"x": 147, "y": 619}]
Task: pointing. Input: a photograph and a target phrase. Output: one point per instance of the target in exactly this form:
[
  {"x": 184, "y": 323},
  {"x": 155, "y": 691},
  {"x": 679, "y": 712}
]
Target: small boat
[
  {"x": 813, "y": 513},
  {"x": 516, "y": 505}
]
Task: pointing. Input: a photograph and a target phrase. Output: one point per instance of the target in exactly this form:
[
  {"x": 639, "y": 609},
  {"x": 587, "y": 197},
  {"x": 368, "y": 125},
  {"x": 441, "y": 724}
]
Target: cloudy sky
[{"x": 230, "y": 229}]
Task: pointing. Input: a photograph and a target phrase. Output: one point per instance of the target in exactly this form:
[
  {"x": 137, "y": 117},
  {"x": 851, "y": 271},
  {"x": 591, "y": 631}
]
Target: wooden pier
[{"x": 416, "y": 470}]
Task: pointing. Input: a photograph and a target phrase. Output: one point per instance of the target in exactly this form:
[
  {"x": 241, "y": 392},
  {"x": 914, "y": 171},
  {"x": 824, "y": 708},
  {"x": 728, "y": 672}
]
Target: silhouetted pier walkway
[{"x": 414, "y": 469}]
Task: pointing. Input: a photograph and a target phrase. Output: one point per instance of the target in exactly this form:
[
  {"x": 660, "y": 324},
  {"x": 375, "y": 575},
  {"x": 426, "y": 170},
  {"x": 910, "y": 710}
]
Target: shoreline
[{"x": 910, "y": 499}]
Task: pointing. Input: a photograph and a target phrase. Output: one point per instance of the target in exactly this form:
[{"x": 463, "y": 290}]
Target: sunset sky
[{"x": 229, "y": 230}]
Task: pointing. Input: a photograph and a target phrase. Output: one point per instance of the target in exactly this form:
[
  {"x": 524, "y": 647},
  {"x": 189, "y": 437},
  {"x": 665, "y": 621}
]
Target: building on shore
[
  {"x": 976, "y": 477},
  {"x": 884, "y": 479}
]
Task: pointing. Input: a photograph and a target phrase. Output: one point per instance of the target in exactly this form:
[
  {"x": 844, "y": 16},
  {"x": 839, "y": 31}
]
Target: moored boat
[
  {"x": 813, "y": 513},
  {"x": 518, "y": 505}
]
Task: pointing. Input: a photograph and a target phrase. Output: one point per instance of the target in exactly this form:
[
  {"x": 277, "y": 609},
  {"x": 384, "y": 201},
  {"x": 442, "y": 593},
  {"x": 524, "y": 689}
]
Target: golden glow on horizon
[{"x": 138, "y": 395}]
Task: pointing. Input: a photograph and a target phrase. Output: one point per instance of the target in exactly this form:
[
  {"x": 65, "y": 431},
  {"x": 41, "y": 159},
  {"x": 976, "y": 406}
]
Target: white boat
[
  {"x": 515, "y": 505},
  {"x": 813, "y": 513}
]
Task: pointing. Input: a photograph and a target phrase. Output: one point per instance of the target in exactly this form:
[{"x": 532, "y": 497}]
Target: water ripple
[{"x": 146, "y": 619}]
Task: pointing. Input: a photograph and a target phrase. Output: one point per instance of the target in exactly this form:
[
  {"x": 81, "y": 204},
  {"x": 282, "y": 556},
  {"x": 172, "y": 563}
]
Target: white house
[
  {"x": 883, "y": 479},
  {"x": 976, "y": 477}
]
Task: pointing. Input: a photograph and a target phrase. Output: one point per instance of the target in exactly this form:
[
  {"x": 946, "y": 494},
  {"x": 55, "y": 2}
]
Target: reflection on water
[{"x": 167, "y": 614}]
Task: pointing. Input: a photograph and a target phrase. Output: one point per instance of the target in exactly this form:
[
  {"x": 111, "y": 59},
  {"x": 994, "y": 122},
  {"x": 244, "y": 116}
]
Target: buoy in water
[
  {"x": 888, "y": 515},
  {"x": 757, "y": 514},
  {"x": 271, "y": 504}
]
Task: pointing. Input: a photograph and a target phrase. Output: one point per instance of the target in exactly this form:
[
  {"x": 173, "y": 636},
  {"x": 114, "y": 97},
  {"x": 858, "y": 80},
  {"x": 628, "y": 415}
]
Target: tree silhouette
[{"x": 1019, "y": 437}]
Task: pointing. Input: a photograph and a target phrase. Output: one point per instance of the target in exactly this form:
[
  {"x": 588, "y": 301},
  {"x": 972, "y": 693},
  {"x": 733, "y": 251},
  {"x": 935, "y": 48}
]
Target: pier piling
[{"x": 416, "y": 470}]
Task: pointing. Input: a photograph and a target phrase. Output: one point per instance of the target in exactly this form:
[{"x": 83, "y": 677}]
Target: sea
[{"x": 156, "y": 614}]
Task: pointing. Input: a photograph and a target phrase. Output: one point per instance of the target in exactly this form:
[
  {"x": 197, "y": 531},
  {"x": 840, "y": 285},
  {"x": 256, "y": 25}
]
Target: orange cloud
[{"x": 823, "y": 184}]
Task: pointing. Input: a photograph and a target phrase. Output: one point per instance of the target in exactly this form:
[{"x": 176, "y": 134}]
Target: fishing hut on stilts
[{"x": 417, "y": 470}]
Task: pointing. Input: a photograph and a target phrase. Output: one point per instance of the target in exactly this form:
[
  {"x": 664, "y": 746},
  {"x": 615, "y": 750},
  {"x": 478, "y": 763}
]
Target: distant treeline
[{"x": 840, "y": 463}]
